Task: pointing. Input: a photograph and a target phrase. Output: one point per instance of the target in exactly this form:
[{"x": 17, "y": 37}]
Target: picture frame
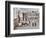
[{"x": 25, "y": 8}]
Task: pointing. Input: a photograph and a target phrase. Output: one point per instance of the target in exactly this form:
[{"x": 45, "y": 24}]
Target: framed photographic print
[{"x": 24, "y": 18}]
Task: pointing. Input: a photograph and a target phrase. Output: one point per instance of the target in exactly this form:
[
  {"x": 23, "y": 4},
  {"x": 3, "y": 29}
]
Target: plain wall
[{"x": 2, "y": 19}]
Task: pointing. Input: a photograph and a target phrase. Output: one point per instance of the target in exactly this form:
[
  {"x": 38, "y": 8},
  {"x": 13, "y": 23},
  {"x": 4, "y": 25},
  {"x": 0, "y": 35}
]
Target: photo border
[{"x": 7, "y": 18}]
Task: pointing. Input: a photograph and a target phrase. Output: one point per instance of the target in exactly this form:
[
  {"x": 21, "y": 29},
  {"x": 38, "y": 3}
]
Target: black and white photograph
[{"x": 26, "y": 18}]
